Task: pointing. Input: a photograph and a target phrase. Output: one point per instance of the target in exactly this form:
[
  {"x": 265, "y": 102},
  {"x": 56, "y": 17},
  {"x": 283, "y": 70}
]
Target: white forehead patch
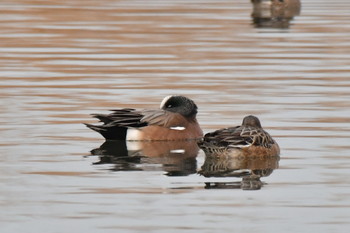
[{"x": 164, "y": 101}]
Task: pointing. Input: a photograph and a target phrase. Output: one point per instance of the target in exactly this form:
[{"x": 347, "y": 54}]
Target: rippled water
[{"x": 62, "y": 60}]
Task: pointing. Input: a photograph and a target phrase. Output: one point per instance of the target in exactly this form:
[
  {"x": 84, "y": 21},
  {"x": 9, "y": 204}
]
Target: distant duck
[
  {"x": 274, "y": 13},
  {"x": 249, "y": 139},
  {"x": 175, "y": 120}
]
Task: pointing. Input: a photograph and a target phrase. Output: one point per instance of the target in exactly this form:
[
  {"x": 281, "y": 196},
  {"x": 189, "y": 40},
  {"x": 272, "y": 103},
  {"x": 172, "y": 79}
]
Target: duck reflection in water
[
  {"x": 274, "y": 13},
  {"x": 245, "y": 151},
  {"x": 250, "y": 168},
  {"x": 176, "y": 158}
]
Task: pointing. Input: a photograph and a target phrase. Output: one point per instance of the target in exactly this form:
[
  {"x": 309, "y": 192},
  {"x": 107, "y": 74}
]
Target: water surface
[{"x": 62, "y": 60}]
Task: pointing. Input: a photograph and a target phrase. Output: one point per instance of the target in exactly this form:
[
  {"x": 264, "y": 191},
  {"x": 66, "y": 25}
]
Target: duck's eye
[{"x": 169, "y": 106}]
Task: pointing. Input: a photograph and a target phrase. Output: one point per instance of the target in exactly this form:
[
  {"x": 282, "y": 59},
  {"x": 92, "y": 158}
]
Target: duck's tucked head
[
  {"x": 252, "y": 121},
  {"x": 179, "y": 104}
]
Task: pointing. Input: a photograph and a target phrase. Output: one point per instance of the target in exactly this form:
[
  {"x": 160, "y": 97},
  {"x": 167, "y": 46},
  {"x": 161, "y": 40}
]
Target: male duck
[
  {"x": 175, "y": 120},
  {"x": 249, "y": 139}
]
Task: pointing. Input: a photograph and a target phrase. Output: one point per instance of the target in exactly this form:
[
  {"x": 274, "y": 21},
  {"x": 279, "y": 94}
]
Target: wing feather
[
  {"x": 163, "y": 118},
  {"x": 238, "y": 137}
]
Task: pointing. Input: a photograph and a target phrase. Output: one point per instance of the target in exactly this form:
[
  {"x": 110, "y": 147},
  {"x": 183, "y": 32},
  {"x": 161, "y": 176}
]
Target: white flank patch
[
  {"x": 164, "y": 101},
  {"x": 178, "y": 128},
  {"x": 133, "y": 134},
  {"x": 178, "y": 151},
  {"x": 133, "y": 145}
]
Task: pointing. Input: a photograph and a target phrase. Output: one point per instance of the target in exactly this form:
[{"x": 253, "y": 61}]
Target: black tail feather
[
  {"x": 102, "y": 117},
  {"x": 115, "y": 124},
  {"x": 109, "y": 132}
]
